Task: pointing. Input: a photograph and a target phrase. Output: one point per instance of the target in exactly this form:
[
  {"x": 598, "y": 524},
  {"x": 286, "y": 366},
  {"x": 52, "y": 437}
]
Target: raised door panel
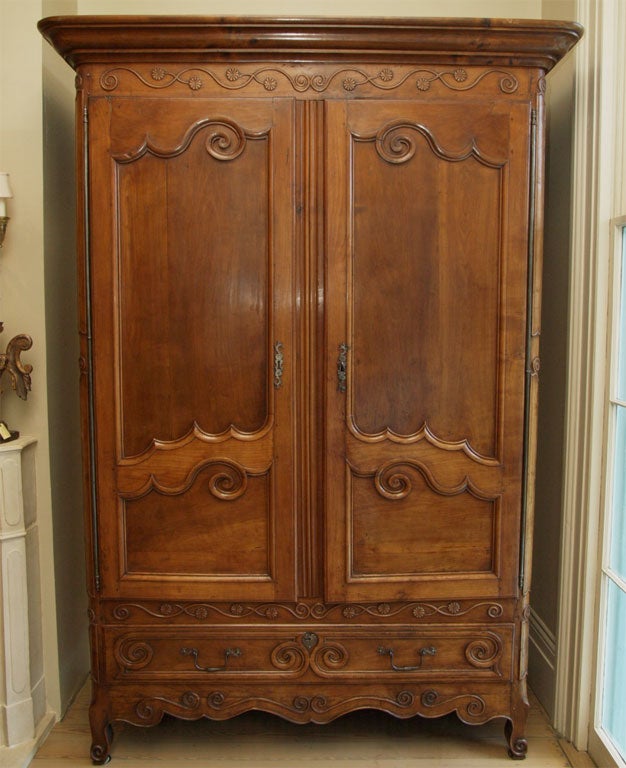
[
  {"x": 426, "y": 274},
  {"x": 192, "y": 301}
]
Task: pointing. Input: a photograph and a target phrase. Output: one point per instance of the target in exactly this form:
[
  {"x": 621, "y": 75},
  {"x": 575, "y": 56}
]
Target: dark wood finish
[{"x": 309, "y": 327}]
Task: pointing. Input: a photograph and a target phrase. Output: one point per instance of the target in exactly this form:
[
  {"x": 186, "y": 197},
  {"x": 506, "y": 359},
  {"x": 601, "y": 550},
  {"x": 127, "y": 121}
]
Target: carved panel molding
[
  {"x": 385, "y": 79},
  {"x": 395, "y": 143},
  {"x": 424, "y": 433},
  {"x": 225, "y": 140},
  {"x": 392, "y": 481},
  {"x": 227, "y": 482}
]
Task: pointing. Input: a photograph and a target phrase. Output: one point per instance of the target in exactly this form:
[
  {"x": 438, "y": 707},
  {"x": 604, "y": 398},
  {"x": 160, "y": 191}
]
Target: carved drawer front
[
  {"x": 202, "y": 654},
  {"x": 442, "y": 652}
]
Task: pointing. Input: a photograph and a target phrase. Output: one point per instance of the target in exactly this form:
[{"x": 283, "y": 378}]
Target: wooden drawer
[
  {"x": 400, "y": 652},
  {"x": 436, "y": 651}
]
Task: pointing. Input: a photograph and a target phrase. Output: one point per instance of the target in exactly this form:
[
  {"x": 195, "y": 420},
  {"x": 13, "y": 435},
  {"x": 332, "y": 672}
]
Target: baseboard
[{"x": 21, "y": 755}]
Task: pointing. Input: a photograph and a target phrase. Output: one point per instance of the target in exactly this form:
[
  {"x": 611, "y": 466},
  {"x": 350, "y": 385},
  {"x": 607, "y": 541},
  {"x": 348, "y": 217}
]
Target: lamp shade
[{"x": 5, "y": 187}]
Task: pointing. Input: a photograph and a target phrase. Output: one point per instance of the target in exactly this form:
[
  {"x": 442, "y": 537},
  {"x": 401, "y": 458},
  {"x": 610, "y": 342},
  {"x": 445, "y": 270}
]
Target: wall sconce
[{"x": 5, "y": 194}]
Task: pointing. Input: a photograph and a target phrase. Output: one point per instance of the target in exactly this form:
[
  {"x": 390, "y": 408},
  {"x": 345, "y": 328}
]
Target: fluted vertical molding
[{"x": 17, "y": 722}]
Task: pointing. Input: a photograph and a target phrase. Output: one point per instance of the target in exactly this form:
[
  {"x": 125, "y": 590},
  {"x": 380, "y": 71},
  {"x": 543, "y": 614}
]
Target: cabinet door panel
[
  {"x": 425, "y": 288},
  {"x": 193, "y": 324},
  {"x": 217, "y": 234}
]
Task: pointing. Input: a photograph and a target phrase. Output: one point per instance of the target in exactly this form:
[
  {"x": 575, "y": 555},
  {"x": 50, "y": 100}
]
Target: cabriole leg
[
  {"x": 101, "y": 730},
  {"x": 518, "y": 745}
]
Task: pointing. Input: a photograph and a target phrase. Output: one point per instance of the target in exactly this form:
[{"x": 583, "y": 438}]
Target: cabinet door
[
  {"x": 192, "y": 314},
  {"x": 425, "y": 293}
]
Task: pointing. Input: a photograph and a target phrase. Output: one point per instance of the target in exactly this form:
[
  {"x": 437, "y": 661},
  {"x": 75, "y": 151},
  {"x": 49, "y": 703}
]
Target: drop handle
[
  {"x": 228, "y": 652},
  {"x": 429, "y": 651},
  {"x": 342, "y": 367}
]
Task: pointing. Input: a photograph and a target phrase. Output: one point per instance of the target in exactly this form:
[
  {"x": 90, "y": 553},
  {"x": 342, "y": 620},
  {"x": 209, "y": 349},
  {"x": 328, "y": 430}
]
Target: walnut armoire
[{"x": 310, "y": 293}]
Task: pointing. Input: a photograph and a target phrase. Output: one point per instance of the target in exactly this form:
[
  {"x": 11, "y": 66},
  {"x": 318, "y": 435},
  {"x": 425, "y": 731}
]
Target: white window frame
[
  {"x": 599, "y": 201},
  {"x": 600, "y": 743}
]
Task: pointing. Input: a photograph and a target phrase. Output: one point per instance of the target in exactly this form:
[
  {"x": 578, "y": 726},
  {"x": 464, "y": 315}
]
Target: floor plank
[{"x": 258, "y": 740}]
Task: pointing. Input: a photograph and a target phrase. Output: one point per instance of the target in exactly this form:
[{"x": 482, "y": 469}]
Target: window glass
[
  {"x": 614, "y": 700},
  {"x": 621, "y": 363},
  {"x": 617, "y": 559}
]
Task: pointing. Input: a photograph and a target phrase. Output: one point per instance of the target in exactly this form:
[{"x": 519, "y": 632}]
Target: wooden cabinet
[{"x": 309, "y": 317}]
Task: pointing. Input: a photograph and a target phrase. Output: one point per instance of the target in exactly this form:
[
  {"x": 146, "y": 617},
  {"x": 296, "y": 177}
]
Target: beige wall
[
  {"x": 62, "y": 361},
  {"x": 37, "y": 295},
  {"x": 472, "y": 8},
  {"x": 22, "y": 278}
]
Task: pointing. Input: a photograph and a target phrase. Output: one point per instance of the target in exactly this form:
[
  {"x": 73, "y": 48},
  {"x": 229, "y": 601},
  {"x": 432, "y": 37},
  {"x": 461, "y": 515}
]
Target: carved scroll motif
[
  {"x": 228, "y": 481},
  {"x": 152, "y": 710},
  {"x": 396, "y": 143},
  {"x": 484, "y": 652},
  {"x": 394, "y": 484},
  {"x": 391, "y": 483},
  {"x": 226, "y": 140},
  {"x": 318, "y": 704},
  {"x": 297, "y": 656},
  {"x": 331, "y": 657},
  {"x": 133, "y": 654},
  {"x": 290, "y": 657},
  {"x": 350, "y": 78},
  {"x": 469, "y": 705}
]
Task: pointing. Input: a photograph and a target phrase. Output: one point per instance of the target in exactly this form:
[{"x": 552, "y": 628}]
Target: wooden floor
[{"x": 360, "y": 740}]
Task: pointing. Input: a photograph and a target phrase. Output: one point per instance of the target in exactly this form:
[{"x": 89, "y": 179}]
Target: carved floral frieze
[
  {"x": 349, "y": 79},
  {"x": 305, "y": 611}
]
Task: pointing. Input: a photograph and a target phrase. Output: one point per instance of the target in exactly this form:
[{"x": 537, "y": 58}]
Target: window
[{"x": 611, "y": 720}]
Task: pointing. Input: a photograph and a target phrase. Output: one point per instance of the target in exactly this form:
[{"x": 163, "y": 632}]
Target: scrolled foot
[
  {"x": 101, "y": 730},
  {"x": 518, "y": 746},
  {"x": 100, "y": 754}
]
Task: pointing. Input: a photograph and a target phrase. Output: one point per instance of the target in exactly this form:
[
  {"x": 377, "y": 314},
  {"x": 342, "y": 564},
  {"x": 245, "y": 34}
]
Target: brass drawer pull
[
  {"x": 342, "y": 367},
  {"x": 429, "y": 651},
  {"x": 278, "y": 364},
  {"x": 228, "y": 652}
]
